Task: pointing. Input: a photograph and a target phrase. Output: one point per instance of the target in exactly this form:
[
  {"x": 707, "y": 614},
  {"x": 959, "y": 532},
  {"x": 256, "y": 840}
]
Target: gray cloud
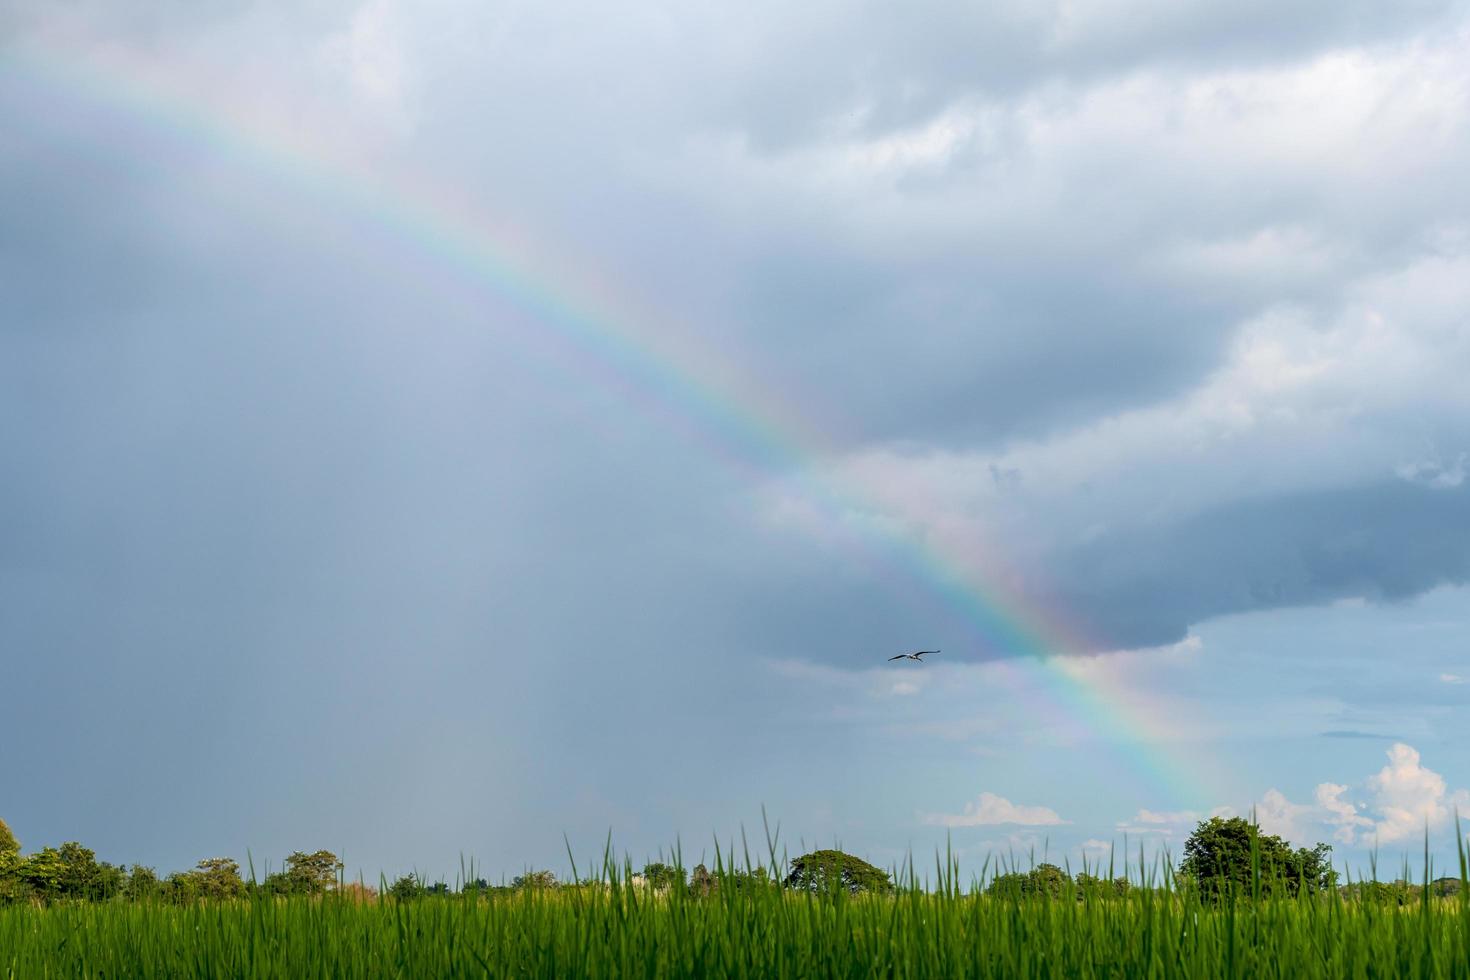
[
  {"x": 286, "y": 501},
  {"x": 1385, "y": 542}
]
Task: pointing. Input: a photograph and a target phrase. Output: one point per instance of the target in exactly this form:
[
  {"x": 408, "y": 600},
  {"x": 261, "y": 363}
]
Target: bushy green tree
[
  {"x": 314, "y": 873},
  {"x": 406, "y": 888},
  {"x": 12, "y": 888},
  {"x": 83, "y": 876},
  {"x": 1445, "y": 887},
  {"x": 142, "y": 883},
  {"x": 1092, "y": 886},
  {"x": 305, "y": 874},
  {"x": 1042, "y": 881},
  {"x": 9, "y": 846},
  {"x": 1231, "y": 857},
  {"x": 212, "y": 878},
  {"x": 534, "y": 879},
  {"x": 830, "y": 869},
  {"x": 660, "y": 875},
  {"x": 42, "y": 872},
  {"x": 69, "y": 872}
]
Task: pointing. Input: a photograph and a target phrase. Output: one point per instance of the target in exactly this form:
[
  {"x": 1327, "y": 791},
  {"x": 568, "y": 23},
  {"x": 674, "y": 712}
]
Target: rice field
[{"x": 613, "y": 929}]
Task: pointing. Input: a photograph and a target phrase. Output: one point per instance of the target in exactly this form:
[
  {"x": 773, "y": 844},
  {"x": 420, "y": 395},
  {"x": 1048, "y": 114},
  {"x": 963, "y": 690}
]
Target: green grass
[{"x": 611, "y": 930}]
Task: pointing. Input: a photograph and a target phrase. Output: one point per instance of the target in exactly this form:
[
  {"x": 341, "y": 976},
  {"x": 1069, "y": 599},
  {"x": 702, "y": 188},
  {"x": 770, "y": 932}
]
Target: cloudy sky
[{"x": 429, "y": 430}]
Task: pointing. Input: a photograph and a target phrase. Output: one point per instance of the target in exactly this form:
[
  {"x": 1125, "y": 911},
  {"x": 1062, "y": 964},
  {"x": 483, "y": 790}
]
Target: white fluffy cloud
[
  {"x": 990, "y": 809},
  {"x": 1340, "y": 813},
  {"x": 1409, "y": 798},
  {"x": 1400, "y": 802}
]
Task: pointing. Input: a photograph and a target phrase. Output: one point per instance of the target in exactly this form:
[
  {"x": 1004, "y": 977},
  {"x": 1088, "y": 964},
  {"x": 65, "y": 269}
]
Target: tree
[
  {"x": 1091, "y": 886},
  {"x": 1232, "y": 858},
  {"x": 83, "y": 876},
  {"x": 534, "y": 880},
  {"x": 275, "y": 884},
  {"x": 1042, "y": 881},
  {"x": 826, "y": 870},
  {"x": 211, "y": 878},
  {"x": 142, "y": 883},
  {"x": 406, "y": 888},
  {"x": 311, "y": 874},
  {"x": 12, "y": 888},
  {"x": 1383, "y": 892},
  {"x": 659, "y": 875},
  {"x": 42, "y": 872},
  {"x": 1445, "y": 887},
  {"x": 757, "y": 877},
  {"x": 701, "y": 882}
]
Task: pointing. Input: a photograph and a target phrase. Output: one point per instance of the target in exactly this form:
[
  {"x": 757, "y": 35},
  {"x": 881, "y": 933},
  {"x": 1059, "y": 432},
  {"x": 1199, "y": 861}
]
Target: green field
[{"x": 610, "y": 930}]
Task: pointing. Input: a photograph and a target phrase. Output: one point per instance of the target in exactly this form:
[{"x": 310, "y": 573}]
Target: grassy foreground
[{"x": 618, "y": 931}]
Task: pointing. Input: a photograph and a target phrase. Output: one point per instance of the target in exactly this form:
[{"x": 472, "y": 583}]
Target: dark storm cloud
[{"x": 1385, "y": 542}]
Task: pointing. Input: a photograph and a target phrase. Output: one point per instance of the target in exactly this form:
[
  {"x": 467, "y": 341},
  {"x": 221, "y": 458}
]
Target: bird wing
[{"x": 899, "y": 657}]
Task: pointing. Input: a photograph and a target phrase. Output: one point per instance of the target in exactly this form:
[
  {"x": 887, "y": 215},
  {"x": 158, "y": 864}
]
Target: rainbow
[{"x": 582, "y": 323}]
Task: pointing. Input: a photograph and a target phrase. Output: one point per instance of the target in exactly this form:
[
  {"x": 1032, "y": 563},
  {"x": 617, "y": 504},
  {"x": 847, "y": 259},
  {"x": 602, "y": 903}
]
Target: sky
[{"x": 451, "y": 431}]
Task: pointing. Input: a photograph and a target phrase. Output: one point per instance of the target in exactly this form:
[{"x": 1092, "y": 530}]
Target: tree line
[
  {"x": 1223, "y": 858},
  {"x": 72, "y": 871}
]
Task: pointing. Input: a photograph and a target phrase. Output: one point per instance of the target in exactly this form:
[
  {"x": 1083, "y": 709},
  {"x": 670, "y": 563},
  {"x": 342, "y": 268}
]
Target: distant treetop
[{"x": 822, "y": 870}]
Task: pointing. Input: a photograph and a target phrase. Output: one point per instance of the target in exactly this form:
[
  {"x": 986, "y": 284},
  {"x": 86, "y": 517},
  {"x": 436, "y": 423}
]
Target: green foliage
[
  {"x": 534, "y": 880},
  {"x": 406, "y": 888},
  {"x": 659, "y": 875},
  {"x": 304, "y": 874},
  {"x": 313, "y": 873},
  {"x": 12, "y": 887},
  {"x": 1042, "y": 881},
  {"x": 1384, "y": 892},
  {"x": 597, "y": 931},
  {"x": 142, "y": 884},
  {"x": 83, "y": 876},
  {"x": 69, "y": 872},
  {"x": 1089, "y": 886},
  {"x": 1232, "y": 858},
  {"x": 212, "y": 878},
  {"x": 1445, "y": 887},
  {"x": 480, "y": 887},
  {"x": 701, "y": 882},
  {"x": 827, "y": 870},
  {"x": 42, "y": 873}
]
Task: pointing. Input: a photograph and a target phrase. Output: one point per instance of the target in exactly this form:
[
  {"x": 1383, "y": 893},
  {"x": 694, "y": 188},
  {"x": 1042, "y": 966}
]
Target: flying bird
[{"x": 919, "y": 656}]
